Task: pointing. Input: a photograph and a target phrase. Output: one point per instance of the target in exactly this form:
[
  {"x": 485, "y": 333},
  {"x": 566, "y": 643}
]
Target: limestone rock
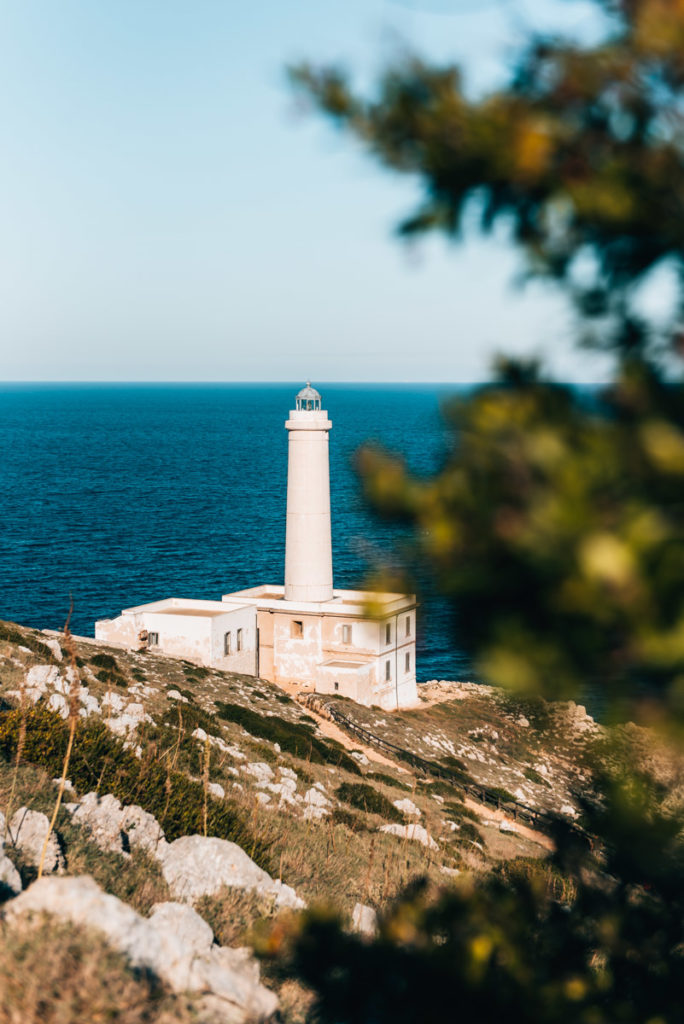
[
  {"x": 216, "y": 789},
  {"x": 90, "y": 705},
  {"x": 364, "y": 920},
  {"x": 407, "y": 807},
  {"x": 196, "y": 866},
  {"x": 261, "y": 771},
  {"x": 133, "y": 716},
  {"x": 176, "y": 695},
  {"x": 316, "y": 804},
  {"x": 414, "y": 832},
  {"x": 39, "y": 679},
  {"x": 9, "y": 876},
  {"x": 174, "y": 942},
  {"x": 103, "y": 816},
  {"x": 54, "y": 645},
  {"x": 27, "y": 831},
  {"x": 113, "y": 702},
  {"x": 142, "y": 829},
  {"x": 60, "y": 704}
]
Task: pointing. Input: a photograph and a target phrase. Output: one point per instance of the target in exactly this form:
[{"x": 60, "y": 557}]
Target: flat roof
[
  {"x": 366, "y": 604},
  {"x": 198, "y": 612},
  {"x": 345, "y": 664},
  {"x": 187, "y": 607}
]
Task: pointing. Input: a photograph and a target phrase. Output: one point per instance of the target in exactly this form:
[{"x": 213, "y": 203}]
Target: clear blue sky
[{"x": 166, "y": 214}]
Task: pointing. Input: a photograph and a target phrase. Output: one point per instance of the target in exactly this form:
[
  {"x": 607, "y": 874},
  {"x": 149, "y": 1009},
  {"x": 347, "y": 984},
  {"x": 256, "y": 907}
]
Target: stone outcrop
[
  {"x": 196, "y": 866},
  {"x": 414, "y": 832},
  {"x": 27, "y": 831},
  {"x": 174, "y": 943},
  {"x": 9, "y": 876},
  {"x": 407, "y": 808},
  {"x": 364, "y": 920},
  {"x": 116, "y": 828}
]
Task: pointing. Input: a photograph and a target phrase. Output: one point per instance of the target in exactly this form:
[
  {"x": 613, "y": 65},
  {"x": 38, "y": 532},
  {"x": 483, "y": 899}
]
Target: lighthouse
[
  {"x": 350, "y": 643},
  {"x": 308, "y": 538}
]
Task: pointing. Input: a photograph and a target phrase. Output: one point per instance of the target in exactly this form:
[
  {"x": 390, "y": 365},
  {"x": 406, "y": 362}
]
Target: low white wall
[{"x": 243, "y": 661}]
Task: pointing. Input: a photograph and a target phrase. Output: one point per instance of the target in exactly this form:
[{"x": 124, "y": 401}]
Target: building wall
[
  {"x": 243, "y": 661},
  {"x": 286, "y": 657},
  {"x": 196, "y": 638}
]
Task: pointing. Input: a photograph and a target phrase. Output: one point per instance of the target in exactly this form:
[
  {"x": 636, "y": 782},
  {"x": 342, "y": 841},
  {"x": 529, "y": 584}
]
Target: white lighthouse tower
[
  {"x": 304, "y": 634},
  {"x": 308, "y": 538}
]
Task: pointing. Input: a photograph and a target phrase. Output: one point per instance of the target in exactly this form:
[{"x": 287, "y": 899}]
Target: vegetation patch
[
  {"x": 354, "y": 822},
  {"x": 103, "y": 660},
  {"x": 499, "y": 793},
  {"x": 188, "y": 694},
  {"x": 195, "y": 672},
  {"x": 294, "y": 737},
  {"x": 536, "y": 777},
  {"x": 53, "y": 972},
  {"x": 388, "y": 780},
  {"x": 13, "y": 635},
  {"x": 457, "y": 811},
  {"x": 111, "y": 678},
  {"x": 366, "y": 798},
  {"x": 468, "y": 833},
  {"x": 101, "y": 762}
]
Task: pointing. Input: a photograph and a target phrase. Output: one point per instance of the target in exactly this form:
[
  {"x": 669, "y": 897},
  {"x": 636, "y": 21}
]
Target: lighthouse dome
[{"x": 308, "y": 398}]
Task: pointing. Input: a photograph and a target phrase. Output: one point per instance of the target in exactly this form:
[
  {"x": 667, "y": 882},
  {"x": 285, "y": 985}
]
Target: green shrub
[
  {"x": 439, "y": 786},
  {"x": 188, "y": 694},
  {"x": 387, "y": 780},
  {"x": 535, "y": 776},
  {"x": 282, "y": 698},
  {"x": 366, "y": 798},
  {"x": 193, "y": 672},
  {"x": 292, "y": 737},
  {"x": 101, "y": 762},
  {"x": 499, "y": 793},
  {"x": 457, "y": 811},
  {"x": 13, "y": 635},
  {"x": 111, "y": 678},
  {"x": 192, "y": 717},
  {"x": 102, "y": 660},
  {"x": 468, "y": 833},
  {"x": 354, "y": 822}
]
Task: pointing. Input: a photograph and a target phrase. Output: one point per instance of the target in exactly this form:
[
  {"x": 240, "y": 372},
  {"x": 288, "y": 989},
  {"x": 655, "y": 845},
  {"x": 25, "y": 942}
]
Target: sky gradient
[{"x": 166, "y": 213}]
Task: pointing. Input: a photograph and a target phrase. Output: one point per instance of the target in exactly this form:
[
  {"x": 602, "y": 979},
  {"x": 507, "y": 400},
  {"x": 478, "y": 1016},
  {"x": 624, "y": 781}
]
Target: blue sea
[{"x": 120, "y": 494}]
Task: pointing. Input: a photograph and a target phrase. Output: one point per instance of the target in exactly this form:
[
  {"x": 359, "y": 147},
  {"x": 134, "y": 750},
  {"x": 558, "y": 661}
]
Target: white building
[{"x": 306, "y": 633}]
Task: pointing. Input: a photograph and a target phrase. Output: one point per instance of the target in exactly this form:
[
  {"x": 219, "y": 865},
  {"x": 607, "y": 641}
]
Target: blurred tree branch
[{"x": 556, "y": 525}]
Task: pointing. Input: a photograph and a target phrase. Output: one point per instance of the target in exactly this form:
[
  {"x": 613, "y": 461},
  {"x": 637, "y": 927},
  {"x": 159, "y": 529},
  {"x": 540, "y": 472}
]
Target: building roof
[
  {"x": 357, "y": 604},
  {"x": 308, "y": 393}
]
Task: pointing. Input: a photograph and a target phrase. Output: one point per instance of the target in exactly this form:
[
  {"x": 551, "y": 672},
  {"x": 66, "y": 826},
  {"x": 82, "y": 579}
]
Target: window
[
  {"x": 227, "y": 644},
  {"x": 407, "y": 663},
  {"x": 388, "y": 633},
  {"x": 388, "y": 670},
  {"x": 297, "y": 628},
  {"x": 153, "y": 639},
  {"x": 337, "y": 686},
  {"x": 346, "y": 634},
  {"x": 408, "y": 625},
  {"x": 239, "y": 640}
]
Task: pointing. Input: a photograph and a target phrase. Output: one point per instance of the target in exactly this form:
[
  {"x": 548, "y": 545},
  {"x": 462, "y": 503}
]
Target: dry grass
[{"x": 52, "y": 973}]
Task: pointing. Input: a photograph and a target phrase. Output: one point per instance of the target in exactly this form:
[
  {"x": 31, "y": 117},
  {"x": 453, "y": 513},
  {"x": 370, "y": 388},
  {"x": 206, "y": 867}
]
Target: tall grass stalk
[
  {"x": 21, "y": 741},
  {"x": 205, "y": 781},
  {"x": 74, "y": 690}
]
